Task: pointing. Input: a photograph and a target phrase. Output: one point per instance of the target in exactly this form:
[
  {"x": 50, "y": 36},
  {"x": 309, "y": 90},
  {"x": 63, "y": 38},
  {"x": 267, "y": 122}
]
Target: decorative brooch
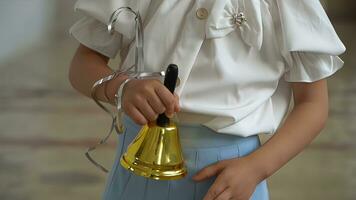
[{"x": 239, "y": 18}]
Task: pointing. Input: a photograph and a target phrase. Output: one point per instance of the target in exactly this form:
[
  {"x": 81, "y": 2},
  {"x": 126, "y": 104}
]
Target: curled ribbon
[{"x": 137, "y": 73}]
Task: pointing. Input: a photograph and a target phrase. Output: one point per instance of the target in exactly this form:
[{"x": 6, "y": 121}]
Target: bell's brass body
[{"x": 156, "y": 153}]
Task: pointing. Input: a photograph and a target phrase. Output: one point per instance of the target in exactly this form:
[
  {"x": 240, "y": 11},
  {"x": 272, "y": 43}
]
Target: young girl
[{"x": 242, "y": 65}]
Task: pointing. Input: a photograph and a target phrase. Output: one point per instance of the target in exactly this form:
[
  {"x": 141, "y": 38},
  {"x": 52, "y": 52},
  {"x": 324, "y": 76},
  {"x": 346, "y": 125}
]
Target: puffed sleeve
[
  {"x": 309, "y": 42},
  {"x": 92, "y": 31},
  {"x": 94, "y": 35}
]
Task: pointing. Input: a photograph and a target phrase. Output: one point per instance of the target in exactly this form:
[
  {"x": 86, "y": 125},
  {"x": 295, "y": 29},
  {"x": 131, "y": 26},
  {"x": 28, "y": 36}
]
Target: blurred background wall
[
  {"x": 45, "y": 126},
  {"x": 24, "y": 23}
]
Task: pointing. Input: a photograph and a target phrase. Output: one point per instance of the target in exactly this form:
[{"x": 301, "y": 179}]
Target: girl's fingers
[
  {"x": 147, "y": 111},
  {"x": 176, "y": 107},
  {"x": 156, "y": 103},
  {"x": 209, "y": 171},
  {"x": 167, "y": 98},
  {"x": 135, "y": 115},
  {"x": 217, "y": 188},
  {"x": 150, "y": 98},
  {"x": 225, "y": 195}
]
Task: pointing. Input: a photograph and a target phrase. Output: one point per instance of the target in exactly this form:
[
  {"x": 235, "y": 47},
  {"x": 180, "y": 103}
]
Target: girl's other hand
[
  {"x": 143, "y": 100},
  {"x": 236, "y": 179}
]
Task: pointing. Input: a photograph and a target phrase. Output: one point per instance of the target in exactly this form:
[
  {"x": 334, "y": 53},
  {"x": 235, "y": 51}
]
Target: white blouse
[{"x": 234, "y": 78}]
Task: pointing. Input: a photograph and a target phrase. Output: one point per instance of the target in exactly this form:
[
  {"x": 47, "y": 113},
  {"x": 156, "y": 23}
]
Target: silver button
[{"x": 202, "y": 13}]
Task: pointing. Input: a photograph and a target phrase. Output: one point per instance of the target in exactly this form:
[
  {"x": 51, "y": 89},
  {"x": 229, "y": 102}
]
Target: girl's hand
[
  {"x": 143, "y": 100},
  {"x": 236, "y": 179}
]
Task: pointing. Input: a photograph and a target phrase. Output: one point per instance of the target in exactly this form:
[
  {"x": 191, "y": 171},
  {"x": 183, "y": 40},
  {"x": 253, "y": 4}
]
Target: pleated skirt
[{"x": 201, "y": 147}]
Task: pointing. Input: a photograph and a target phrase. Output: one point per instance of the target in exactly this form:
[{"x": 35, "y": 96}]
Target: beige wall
[{"x": 23, "y": 24}]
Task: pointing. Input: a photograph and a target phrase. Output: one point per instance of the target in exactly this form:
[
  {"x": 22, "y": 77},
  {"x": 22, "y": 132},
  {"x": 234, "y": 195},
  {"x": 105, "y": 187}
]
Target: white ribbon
[
  {"x": 103, "y": 10},
  {"x": 137, "y": 73}
]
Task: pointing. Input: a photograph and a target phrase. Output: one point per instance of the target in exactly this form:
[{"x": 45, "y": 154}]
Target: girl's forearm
[
  {"x": 302, "y": 125},
  {"x": 86, "y": 68}
]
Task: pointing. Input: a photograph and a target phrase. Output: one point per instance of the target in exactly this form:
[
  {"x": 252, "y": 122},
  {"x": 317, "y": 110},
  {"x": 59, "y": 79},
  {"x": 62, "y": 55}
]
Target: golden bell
[{"x": 156, "y": 151}]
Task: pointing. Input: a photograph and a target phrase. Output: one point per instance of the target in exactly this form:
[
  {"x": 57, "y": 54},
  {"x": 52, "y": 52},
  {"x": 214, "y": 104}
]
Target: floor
[{"x": 45, "y": 127}]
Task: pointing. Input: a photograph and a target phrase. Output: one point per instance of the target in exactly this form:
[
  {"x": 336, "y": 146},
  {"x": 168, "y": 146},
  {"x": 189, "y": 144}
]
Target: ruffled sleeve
[
  {"x": 309, "y": 42},
  {"x": 92, "y": 31}
]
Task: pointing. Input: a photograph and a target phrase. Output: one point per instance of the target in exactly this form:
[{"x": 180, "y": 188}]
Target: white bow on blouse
[{"x": 222, "y": 20}]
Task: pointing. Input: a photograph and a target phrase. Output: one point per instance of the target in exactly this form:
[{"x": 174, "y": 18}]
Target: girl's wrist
[
  {"x": 259, "y": 166},
  {"x": 119, "y": 93},
  {"x": 113, "y": 86}
]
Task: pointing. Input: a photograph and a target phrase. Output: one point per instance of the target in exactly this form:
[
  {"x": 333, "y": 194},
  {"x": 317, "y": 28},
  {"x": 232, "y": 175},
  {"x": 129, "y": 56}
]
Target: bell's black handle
[{"x": 170, "y": 81}]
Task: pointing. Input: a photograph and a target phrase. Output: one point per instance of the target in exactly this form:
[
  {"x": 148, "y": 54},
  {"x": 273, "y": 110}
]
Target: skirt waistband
[{"x": 199, "y": 136}]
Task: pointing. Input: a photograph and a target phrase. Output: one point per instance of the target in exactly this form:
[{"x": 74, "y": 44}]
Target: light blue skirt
[{"x": 201, "y": 147}]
